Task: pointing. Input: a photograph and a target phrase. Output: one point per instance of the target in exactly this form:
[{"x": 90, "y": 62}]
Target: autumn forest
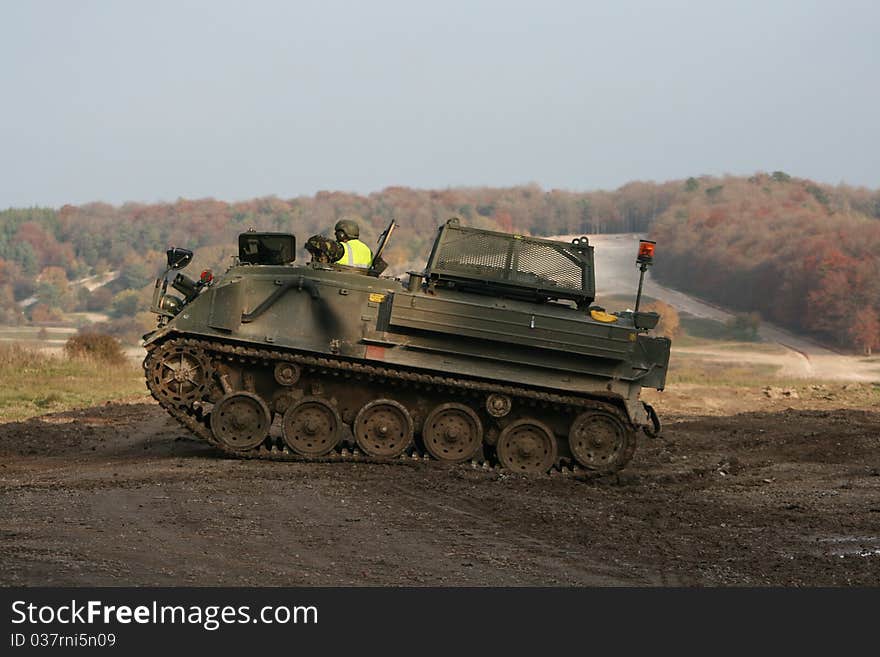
[{"x": 802, "y": 254}]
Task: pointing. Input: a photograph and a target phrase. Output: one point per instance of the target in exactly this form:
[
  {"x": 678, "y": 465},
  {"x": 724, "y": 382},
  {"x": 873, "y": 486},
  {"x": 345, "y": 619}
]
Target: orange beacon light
[
  {"x": 644, "y": 260},
  {"x": 646, "y": 252}
]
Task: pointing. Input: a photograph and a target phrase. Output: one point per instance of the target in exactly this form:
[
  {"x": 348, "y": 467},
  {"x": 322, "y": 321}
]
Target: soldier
[
  {"x": 346, "y": 249},
  {"x": 357, "y": 254},
  {"x": 323, "y": 249}
]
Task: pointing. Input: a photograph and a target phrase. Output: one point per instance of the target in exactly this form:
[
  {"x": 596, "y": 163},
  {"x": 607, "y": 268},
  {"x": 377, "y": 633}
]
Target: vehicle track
[{"x": 195, "y": 416}]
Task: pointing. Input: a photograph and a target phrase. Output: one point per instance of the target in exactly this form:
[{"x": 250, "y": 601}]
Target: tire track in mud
[{"x": 489, "y": 538}]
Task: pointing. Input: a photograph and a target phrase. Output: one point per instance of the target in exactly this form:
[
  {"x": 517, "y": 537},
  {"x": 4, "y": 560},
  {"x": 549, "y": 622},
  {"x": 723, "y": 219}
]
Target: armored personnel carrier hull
[{"x": 492, "y": 355}]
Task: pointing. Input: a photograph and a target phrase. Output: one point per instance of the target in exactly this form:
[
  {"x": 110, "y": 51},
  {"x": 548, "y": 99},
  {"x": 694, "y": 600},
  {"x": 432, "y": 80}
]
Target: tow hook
[{"x": 654, "y": 430}]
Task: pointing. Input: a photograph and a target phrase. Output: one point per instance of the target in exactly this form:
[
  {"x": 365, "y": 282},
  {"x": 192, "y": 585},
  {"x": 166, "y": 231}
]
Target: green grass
[
  {"x": 710, "y": 329},
  {"x": 695, "y": 369},
  {"x": 618, "y": 302},
  {"x": 706, "y": 372},
  {"x": 759, "y": 347},
  {"x": 685, "y": 341},
  {"x": 33, "y": 383},
  {"x": 8, "y": 333}
]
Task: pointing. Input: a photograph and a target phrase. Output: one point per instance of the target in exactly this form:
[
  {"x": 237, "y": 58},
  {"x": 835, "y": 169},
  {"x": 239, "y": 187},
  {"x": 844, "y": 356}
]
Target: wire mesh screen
[
  {"x": 541, "y": 264},
  {"x": 513, "y": 260},
  {"x": 481, "y": 254}
]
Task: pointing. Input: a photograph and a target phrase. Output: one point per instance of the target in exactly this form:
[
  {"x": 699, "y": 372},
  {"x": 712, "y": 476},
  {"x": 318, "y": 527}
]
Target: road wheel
[
  {"x": 452, "y": 433},
  {"x": 240, "y": 421},
  {"x": 311, "y": 427},
  {"x": 383, "y": 428},
  {"x": 527, "y": 446},
  {"x": 601, "y": 440}
]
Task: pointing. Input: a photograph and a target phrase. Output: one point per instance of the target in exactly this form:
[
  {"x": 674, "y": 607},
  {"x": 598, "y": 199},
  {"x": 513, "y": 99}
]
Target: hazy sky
[{"x": 149, "y": 101}]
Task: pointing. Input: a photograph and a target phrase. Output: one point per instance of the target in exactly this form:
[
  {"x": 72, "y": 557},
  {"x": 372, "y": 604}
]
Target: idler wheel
[
  {"x": 600, "y": 440},
  {"x": 452, "y": 433},
  {"x": 383, "y": 428},
  {"x": 179, "y": 374},
  {"x": 240, "y": 421},
  {"x": 311, "y": 427},
  {"x": 527, "y": 446}
]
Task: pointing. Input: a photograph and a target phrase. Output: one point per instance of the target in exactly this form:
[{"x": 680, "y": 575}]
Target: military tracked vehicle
[{"x": 494, "y": 355}]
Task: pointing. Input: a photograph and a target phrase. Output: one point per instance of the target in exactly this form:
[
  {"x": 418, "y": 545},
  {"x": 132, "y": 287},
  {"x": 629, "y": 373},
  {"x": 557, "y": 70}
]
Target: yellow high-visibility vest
[{"x": 357, "y": 254}]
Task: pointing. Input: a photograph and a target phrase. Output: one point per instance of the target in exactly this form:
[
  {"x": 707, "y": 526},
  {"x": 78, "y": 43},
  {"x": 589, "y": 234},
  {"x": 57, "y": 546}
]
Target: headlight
[{"x": 171, "y": 304}]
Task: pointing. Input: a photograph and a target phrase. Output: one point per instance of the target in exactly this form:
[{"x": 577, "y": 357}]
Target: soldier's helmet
[{"x": 348, "y": 228}]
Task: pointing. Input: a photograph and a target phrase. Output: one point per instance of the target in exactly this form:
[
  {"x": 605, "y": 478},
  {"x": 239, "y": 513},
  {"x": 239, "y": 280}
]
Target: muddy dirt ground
[{"x": 745, "y": 490}]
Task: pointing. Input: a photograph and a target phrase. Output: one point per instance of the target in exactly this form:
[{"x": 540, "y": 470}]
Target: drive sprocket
[{"x": 178, "y": 374}]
